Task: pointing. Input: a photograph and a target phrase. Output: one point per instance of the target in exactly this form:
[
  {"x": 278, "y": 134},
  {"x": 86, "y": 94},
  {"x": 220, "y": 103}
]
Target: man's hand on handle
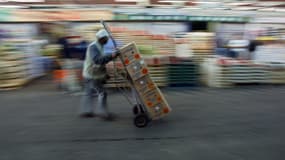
[{"x": 116, "y": 54}]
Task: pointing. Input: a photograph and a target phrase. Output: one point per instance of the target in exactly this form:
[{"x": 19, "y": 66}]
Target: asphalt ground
[{"x": 245, "y": 123}]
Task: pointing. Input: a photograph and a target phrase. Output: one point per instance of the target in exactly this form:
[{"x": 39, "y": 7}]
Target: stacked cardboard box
[
  {"x": 276, "y": 73},
  {"x": 13, "y": 69},
  {"x": 150, "y": 95},
  {"x": 164, "y": 44},
  {"x": 121, "y": 35},
  {"x": 201, "y": 44},
  {"x": 161, "y": 44}
]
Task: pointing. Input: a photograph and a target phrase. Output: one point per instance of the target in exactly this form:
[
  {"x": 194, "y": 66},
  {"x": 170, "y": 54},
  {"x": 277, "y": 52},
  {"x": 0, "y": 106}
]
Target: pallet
[{"x": 13, "y": 84}]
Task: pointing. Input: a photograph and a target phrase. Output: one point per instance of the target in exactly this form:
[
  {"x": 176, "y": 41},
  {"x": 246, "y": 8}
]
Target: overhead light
[
  {"x": 24, "y": 1},
  {"x": 172, "y": 1},
  {"x": 11, "y": 6},
  {"x": 240, "y": 3},
  {"x": 269, "y": 4},
  {"x": 191, "y": 8},
  {"x": 267, "y": 9},
  {"x": 272, "y": 9},
  {"x": 130, "y": 0},
  {"x": 279, "y": 9},
  {"x": 205, "y": 2},
  {"x": 245, "y": 8}
]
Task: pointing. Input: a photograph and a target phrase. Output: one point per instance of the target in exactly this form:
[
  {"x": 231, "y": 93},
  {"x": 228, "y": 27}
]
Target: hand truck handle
[{"x": 110, "y": 34}]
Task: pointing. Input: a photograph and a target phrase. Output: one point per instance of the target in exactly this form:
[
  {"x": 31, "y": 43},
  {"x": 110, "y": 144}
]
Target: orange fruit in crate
[
  {"x": 127, "y": 61},
  {"x": 165, "y": 110},
  {"x": 144, "y": 71},
  {"x": 159, "y": 99},
  {"x": 149, "y": 104},
  {"x": 150, "y": 85},
  {"x": 137, "y": 56}
]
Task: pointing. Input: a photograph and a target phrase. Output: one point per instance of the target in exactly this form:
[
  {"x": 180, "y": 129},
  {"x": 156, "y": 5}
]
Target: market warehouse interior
[{"x": 212, "y": 67}]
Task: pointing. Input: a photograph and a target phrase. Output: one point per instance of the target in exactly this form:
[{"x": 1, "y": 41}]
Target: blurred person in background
[
  {"x": 238, "y": 47},
  {"x": 252, "y": 48},
  {"x": 95, "y": 76}
]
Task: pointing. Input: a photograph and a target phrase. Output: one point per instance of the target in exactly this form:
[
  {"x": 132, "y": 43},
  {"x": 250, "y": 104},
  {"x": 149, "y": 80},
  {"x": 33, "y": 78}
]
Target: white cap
[{"x": 102, "y": 33}]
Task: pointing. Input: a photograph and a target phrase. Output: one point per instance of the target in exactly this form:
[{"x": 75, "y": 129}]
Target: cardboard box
[
  {"x": 137, "y": 69},
  {"x": 130, "y": 53},
  {"x": 144, "y": 85},
  {"x": 159, "y": 110},
  {"x": 148, "y": 92},
  {"x": 155, "y": 103}
]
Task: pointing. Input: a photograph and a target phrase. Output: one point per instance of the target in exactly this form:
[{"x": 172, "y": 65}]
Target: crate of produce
[
  {"x": 155, "y": 103},
  {"x": 131, "y": 54},
  {"x": 137, "y": 69},
  {"x": 144, "y": 84}
]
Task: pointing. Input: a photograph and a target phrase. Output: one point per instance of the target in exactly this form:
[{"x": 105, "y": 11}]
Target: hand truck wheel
[{"x": 141, "y": 120}]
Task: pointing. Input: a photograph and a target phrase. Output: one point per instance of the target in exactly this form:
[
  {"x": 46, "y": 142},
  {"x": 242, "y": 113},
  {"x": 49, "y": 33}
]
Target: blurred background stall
[{"x": 183, "y": 42}]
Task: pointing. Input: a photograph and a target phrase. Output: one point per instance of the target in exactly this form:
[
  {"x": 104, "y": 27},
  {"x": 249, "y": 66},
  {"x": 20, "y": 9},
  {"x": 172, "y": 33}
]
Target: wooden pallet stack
[
  {"x": 140, "y": 37},
  {"x": 201, "y": 45},
  {"x": 121, "y": 34},
  {"x": 276, "y": 73},
  {"x": 270, "y": 53},
  {"x": 158, "y": 69},
  {"x": 13, "y": 69},
  {"x": 150, "y": 95},
  {"x": 216, "y": 72},
  {"x": 164, "y": 44},
  {"x": 182, "y": 72},
  {"x": 226, "y": 72},
  {"x": 247, "y": 72}
]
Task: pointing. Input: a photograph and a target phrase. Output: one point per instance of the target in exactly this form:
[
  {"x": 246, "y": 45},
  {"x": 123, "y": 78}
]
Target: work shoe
[
  {"x": 87, "y": 115},
  {"x": 107, "y": 116}
]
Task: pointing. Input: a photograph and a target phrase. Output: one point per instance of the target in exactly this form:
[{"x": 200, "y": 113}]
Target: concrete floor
[{"x": 40, "y": 123}]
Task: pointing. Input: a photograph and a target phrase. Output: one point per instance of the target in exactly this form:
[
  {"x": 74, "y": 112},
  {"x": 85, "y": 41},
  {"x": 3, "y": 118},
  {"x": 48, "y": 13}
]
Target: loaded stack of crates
[
  {"x": 182, "y": 72},
  {"x": 163, "y": 44},
  {"x": 121, "y": 34},
  {"x": 216, "y": 72},
  {"x": 158, "y": 69},
  {"x": 201, "y": 45},
  {"x": 159, "y": 44},
  {"x": 276, "y": 73},
  {"x": 140, "y": 37},
  {"x": 13, "y": 68},
  {"x": 247, "y": 72},
  {"x": 149, "y": 93},
  {"x": 226, "y": 72}
]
